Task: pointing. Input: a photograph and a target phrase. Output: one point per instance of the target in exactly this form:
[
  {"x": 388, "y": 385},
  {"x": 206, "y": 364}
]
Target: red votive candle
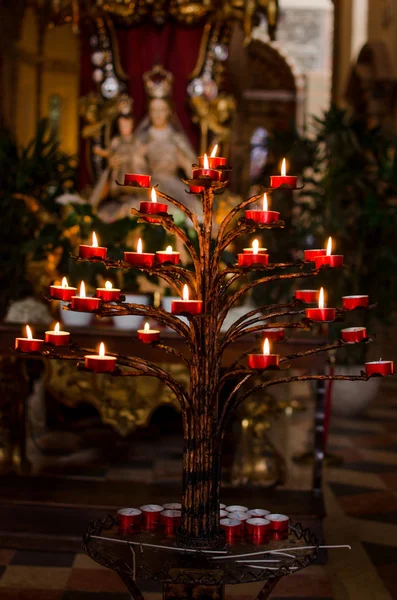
[
  {"x": 206, "y": 171},
  {"x": 213, "y": 160},
  {"x": 135, "y": 178},
  {"x": 167, "y": 256},
  {"x": 62, "y": 292},
  {"x": 264, "y": 215},
  {"x": 232, "y": 527},
  {"x": 311, "y": 255},
  {"x": 186, "y": 306},
  {"x": 278, "y": 522},
  {"x": 223, "y": 514},
  {"x": 236, "y": 508},
  {"x": 84, "y": 304},
  {"x": 380, "y": 367},
  {"x": 222, "y": 506},
  {"x": 248, "y": 260},
  {"x": 259, "y": 512},
  {"x": 153, "y": 207},
  {"x": 283, "y": 179},
  {"x": 265, "y": 360},
  {"x": 100, "y": 363},
  {"x": 352, "y": 335},
  {"x": 257, "y": 528},
  {"x": 170, "y": 519},
  {"x": 93, "y": 251},
  {"x": 151, "y": 515},
  {"x": 241, "y": 516},
  {"x": 172, "y": 506},
  {"x": 129, "y": 518},
  {"x": 308, "y": 296},
  {"x": 196, "y": 189},
  {"x": 139, "y": 259},
  {"x": 108, "y": 293},
  {"x": 352, "y": 302},
  {"x": 275, "y": 334},
  {"x": 56, "y": 337},
  {"x": 147, "y": 335},
  {"x": 321, "y": 313},
  {"x": 28, "y": 344},
  {"x": 331, "y": 260},
  {"x": 255, "y": 249}
]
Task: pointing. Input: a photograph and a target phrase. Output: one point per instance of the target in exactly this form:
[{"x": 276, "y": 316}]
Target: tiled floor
[{"x": 361, "y": 498}]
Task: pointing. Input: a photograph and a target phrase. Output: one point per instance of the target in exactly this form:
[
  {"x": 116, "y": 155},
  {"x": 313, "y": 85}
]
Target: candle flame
[
  {"x": 266, "y": 347},
  {"x": 56, "y": 328},
  {"x": 29, "y": 333},
  {"x": 108, "y": 285},
  {"x": 139, "y": 246},
  {"x": 329, "y": 246},
  {"x": 101, "y": 349},
  {"x": 206, "y": 164},
  {"x": 82, "y": 290},
  {"x": 64, "y": 282},
  {"x": 94, "y": 240},
  {"x": 154, "y": 195},
  {"x": 255, "y": 247},
  {"x": 265, "y": 202},
  {"x": 214, "y": 151},
  {"x": 185, "y": 294},
  {"x": 245, "y": 423},
  {"x": 169, "y": 250},
  {"x": 146, "y": 327},
  {"x": 321, "y": 298},
  {"x": 283, "y": 168}
]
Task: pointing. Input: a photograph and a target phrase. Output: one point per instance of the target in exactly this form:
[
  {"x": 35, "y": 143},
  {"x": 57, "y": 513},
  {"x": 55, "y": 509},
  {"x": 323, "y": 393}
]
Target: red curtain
[{"x": 174, "y": 46}]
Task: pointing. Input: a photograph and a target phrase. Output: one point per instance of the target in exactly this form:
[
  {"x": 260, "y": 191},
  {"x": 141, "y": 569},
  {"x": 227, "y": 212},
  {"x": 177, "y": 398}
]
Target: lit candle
[
  {"x": 93, "y": 251},
  {"x": 84, "y": 304},
  {"x": 129, "y": 518},
  {"x": 255, "y": 257},
  {"x": 151, "y": 515},
  {"x": 352, "y": 302},
  {"x": 257, "y": 528},
  {"x": 147, "y": 335},
  {"x": 275, "y": 334},
  {"x": 167, "y": 256},
  {"x": 153, "y": 207},
  {"x": 205, "y": 172},
  {"x": 331, "y": 260},
  {"x": 263, "y": 216},
  {"x": 136, "y": 179},
  {"x": 278, "y": 522},
  {"x": 232, "y": 527},
  {"x": 186, "y": 306},
  {"x": 265, "y": 360},
  {"x": 321, "y": 313},
  {"x": 62, "y": 292},
  {"x": 380, "y": 367},
  {"x": 100, "y": 363},
  {"x": 139, "y": 258},
  {"x": 56, "y": 337},
  {"x": 214, "y": 161},
  {"x": 352, "y": 335},
  {"x": 170, "y": 519},
  {"x": 283, "y": 179},
  {"x": 108, "y": 293},
  {"x": 307, "y": 296},
  {"x": 28, "y": 344},
  {"x": 255, "y": 249}
]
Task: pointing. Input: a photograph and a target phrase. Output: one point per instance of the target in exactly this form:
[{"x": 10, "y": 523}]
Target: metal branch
[
  {"x": 190, "y": 215},
  {"x": 233, "y": 213},
  {"x": 258, "y": 267},
  {"x": 260, "y": 318},
  {"x": 243, "y": 227},
  {"x": 261, "y": 310},
  {"x": 170, "y": 350}
]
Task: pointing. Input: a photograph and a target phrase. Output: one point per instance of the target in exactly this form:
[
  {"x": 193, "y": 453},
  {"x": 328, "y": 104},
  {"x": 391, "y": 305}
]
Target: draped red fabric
[{"x": 174, "y": 46}]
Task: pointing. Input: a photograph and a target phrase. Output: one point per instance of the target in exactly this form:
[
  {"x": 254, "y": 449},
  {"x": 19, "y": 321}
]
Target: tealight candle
[
  {"x": 186, "y": 306},
  {"x": 321, "y": 313},
  {"x": 275, "y": 334},
  {"x": 240, "y": 516},
  {"x": 265, "y": 360},
  {"x": 167, "y": 256},
  {"x": 153, "y": 207},
  {"x": 248, "y": 259},
  {"x": 28, "y": 344},
  {"x": 108, "y": 293},
  {"x": 283, "y": 179},
  {"x": 56, "y": 337},
  {"x": 352, "y": 335},
  {"x": 278, "y": 522},
  {"x": 232, "y": 527},
  {"x": 255, "y": 249},
  {"x": 147, "y": 335},
  {"x": 380, "y": 367},
  {"x": 330, "y": 260},
  {"x": 263, "y": 216},
  {"x": 206, "y": 172},
  {"x": 172, "y": 506},
  {"x": 84, "y": 304},
  {"x": 139, "y": 258},
  {"x": 222, "y": 506},
  {"x": 307, "y": 296},
  {"x": 151, "y": 515},
  {"x": 196, "y": 189},
  {"x": 170, "y": 519},
  {"x": 223, "y": 514},
  {"x": 100, "y": 363},
  {"x": 352, "y": 302},
  {"x": 137, "y": 179},
  {"x": 259, "y": 512},
  {"x": 129, "y": 518},
  {"x": 236, "y": 508},
  {"x": 311, "y": 255},
  {"x": 93, "y": 251},
  {"x": 62, "y": 292},
  {"x": 258, "y": 528},
  {"x": 214, "y": 161}
]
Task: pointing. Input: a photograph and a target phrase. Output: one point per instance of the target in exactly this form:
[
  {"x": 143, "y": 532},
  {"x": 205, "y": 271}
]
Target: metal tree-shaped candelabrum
[{"x": 205, "y": 406}]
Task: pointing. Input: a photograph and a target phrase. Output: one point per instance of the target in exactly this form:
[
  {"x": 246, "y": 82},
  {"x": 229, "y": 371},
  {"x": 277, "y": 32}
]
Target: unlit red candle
[
  {"x": 28, "y": 344},
  {"x": 265, "y": 360},
  {"x": 93, "y": 251},
  {"x": 167, "y": 256},
  {"x": 321, "y": 313},
  {"x": 137, "y": 179},
  {"x": 283, "y": 179},
  {"x": 352, "y": 302},
  {"x": 57, "y": 337},
  {"x": 153, "y": 207},
  {"x": 278, "y": 522},
  {"x": 275, "y": 334},
  {"x": 311, "y": 255},
  {"x": 62, "y": 292},
  {"x": 139, "y": 258},
  {"x": 330, "y": 260},
  {"x": 258, "y": 512},
  {"x": 100, "y": 363},
  {"x": 129, "y": 518},
  {"x": 151, "y": 514},
  {"x": 257, "y": 528},
  {"x": 84, "y": 304},
  {"x": 263, "y": 216},
  {"x": 232, "y": 527},
  {"x": 307, "y": 296},
  {"x": 380, "y": 367},
  {"x": 236, "y": 508},
  {"x": 170, "y": 519},
  {"x": 147, "y": 335},
  {"x": 186, "y": 306},
  {"x": 352, "y": 335},
  {"x": 108, "y": 293}
]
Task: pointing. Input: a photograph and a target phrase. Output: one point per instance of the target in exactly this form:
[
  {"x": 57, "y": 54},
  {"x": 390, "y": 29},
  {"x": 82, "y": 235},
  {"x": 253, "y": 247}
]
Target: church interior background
[{"x": 92, "y": 90}]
